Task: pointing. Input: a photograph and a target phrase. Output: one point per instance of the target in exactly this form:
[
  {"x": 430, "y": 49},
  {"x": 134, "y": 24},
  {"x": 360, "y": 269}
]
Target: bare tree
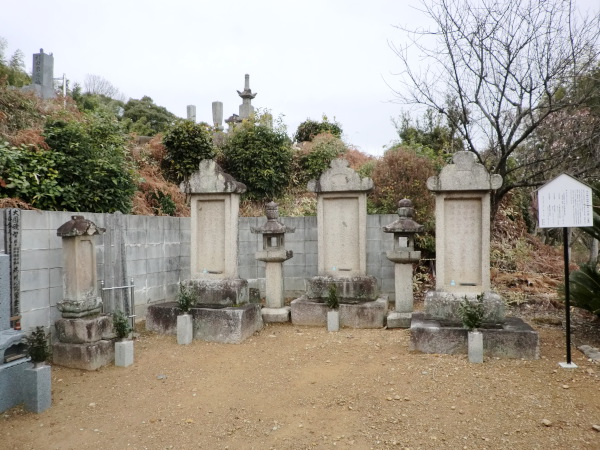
[
  {"x": 95, "y": 84},
  {"x": 498, "y": 70}
]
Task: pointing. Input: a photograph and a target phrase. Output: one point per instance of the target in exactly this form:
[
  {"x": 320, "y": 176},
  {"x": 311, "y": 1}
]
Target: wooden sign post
[{"x": 562, "y": 203}]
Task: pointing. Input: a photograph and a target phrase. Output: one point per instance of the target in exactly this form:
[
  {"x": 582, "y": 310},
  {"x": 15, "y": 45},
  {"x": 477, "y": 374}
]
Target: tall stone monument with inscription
[
  {"x": 221, "y": 311},
  {"x": 342, "y": 246},
  {"x": 42, "y": 80},
  {"x": 462, "y": 216}
]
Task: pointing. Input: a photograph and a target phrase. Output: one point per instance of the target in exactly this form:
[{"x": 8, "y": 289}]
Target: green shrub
[
  {"x": 259, "y": 157},
  {"x": 121, "y": 324},
  {"x": 94, "y": 173},
  {"x": 317, "y": 155},
  {"x": 185, "y": 298},
  {"x": 187, "y": 144},
  {"x": 31, "y": 175},
  {"x": 472, "y": 313},
  {"x": 584, "y": 286},
  {"x": 37, "y": 345},
  {"x": 309, "y": 129},
  {"x": 332, "y": 297}
]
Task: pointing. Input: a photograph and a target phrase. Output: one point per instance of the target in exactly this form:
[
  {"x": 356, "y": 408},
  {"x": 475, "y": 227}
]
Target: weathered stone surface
[
  {"x": 399, "y": 320},
  {"x": 124, "y": 353},
  {"x": 84, "y": 356},
  {"x": 305, "y": 311},
  {"x": 444, "y": 306},
  {"x": 210, "y": 179},
  {"x": 516, "y": 339},
  {"x": 354, "y": 289},
  {"x": 162, "y": 318},
  {"x": 84, "y": 330},
  {"x": 37, "y": 388},
  {"x": 185, "y": 329},
  {"x": 340, "y": 178},
  {"x": 227, "y": 292},
  {"x": 276, "y": 315},
  {"x": 228, "y": 325},
  {"x": 333, "y": 320},
  {"x": 475, "y": 346},
  {"x": 464, "y": 174}
]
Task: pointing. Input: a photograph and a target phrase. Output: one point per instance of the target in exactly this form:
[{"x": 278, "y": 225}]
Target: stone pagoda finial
[{"x": 246, "y": 108}]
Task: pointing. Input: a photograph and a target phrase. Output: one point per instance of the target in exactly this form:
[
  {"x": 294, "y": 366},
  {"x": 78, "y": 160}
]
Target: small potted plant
[
  {"x": 37, "y": 346},
  {"x": 472, "y": 314},
  {"x": 123, "y": 346},
  {"x": 185, "y": 331},
  {"x": 333, "y": 315}
]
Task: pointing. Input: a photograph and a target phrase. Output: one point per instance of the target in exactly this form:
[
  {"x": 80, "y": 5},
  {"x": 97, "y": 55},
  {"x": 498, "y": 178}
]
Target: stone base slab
[
  {"x": 349, "y": 289},
  {"x": 84, "y": 330},
  {"x": 227, "y": 292},
  {"x": 444, "y": 306},
  {"x": 84, "y": 356},
  {"x": 276, "y": 315},
  {"x": 305, "y": 311},
  {"x": 230, "y": 325},
  {"x": 515, "y": 339},
  {"x": 399, "y": 320}
]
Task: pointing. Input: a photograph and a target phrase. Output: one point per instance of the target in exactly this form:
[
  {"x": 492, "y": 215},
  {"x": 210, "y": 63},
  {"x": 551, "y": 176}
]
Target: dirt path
[{"x": 301, "y": 388}]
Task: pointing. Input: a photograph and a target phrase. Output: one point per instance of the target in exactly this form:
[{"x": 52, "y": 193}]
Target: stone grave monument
[
  {"x": 274, "y": 254},
  {"x": 462, "y": 215},
  {"x": 403, "y": 256},
  {"x": 42, "y": 80},
  {"x": 221, "y": 312},
  {"x": 342, "y": 243},
  {"x": 246, "y": 108},
  {"x": 84, "y": 334}
]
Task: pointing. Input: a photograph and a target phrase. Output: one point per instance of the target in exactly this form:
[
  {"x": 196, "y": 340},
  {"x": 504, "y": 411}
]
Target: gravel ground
[{"x": 302, "y": 388}]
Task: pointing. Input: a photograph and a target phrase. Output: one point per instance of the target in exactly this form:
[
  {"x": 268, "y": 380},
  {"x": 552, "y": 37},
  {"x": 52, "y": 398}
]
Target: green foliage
[
  {"x": 259, "y": 157},
  {"x": 37, "y": 345},
  {"x": 18, "y": 111},
  {"x": 317, "y": 155},
  {"x": 309, "y": 129},
  {"x": 31, "y": 175},
  {"x": 145, "y": 118},
  {"x": 94, "y": 174},
  {"x": 12, "y": 72},
  {"x": 584, "y": 286},
  {"x": 163, "y": 204},
  {"x": 187, "y": 144},
  {"x": 185, "y": 299},
  {"x": 472, "y": 313},
  {"x": 121, "y": 324},
  {"x": 332, "y": 297}
]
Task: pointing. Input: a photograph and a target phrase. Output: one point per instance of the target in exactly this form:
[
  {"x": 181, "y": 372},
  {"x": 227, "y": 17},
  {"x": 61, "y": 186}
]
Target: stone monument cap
[
  {"x": 340, "y": 178},
  {"x": 210, "y": 179},
  {"x": 78, "y": 226},
  {"x": 465, "y": 174},
  {"x": 272, "y": 226},
  {"x": 405, "y": 222}
]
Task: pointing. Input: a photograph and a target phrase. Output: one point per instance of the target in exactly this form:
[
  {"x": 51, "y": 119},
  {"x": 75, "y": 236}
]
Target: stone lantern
[
  {"x": 403, "y": 255},
  {"x": 274, "y": 254}
]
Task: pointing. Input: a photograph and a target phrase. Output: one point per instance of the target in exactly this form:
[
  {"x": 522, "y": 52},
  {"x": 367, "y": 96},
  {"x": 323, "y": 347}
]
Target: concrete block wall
[{"x": 155, "y": 253}]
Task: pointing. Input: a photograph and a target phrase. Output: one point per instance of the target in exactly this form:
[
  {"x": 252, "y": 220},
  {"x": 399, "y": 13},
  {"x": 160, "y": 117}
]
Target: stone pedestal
[
  {"x": 185, "y": 329},
  {"x": 306, "y": 312},
  {"x": 37, "y": 388},
  {"x": 333, "y": 320},
  {"x": 124, "y": 353},
  {"x": 475, "y": 346},
  {"x": 84, "y": 343}
]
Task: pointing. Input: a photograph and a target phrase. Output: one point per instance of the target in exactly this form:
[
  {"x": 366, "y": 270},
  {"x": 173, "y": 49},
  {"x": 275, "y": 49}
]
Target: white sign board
[{"x": 565, "y": 202}]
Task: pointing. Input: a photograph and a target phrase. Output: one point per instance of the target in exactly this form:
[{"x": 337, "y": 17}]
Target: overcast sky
[{"x": 305, "y": 58}]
